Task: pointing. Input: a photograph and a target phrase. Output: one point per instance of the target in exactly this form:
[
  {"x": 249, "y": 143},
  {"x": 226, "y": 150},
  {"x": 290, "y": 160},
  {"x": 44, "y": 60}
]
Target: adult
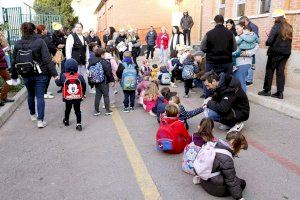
[
  {"x": 162, "y": 42},
  {"x": 106, "y": 36},
  {"x": 93, "y": 40},
  {"x": 35, "y": 78},
  {"x": 150, "y": 40},
  {"x": 245, "y": 60},
  {"x": 230, "y": 25},
  {"x": 187, "y": 24},
  {"x": 218, "y": 49},
  {"x": 121, "y": 43},
  {"x": 177, "y": 38},
  {"x": 135, "y": 43},
  {"x": 280, "y": 44},
  {"x": 229, "y": 105}
]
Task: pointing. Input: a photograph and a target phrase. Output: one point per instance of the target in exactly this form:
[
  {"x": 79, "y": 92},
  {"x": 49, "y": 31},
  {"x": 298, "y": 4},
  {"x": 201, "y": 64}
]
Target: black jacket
[
  {"x": 95, "y": 39},
  {"x": 49, "y": 42},
  {"x": 106, "y": 68},
  {"x": 40, "y": 53},
  {"x": 227, "y": 180},
  {"x": 151, "y": 38},
  {"x": 278, "y": 46},
  {"x": 120, "y": 38},
  {"x": 59, "y": 38},
  {"x": 230, "y": 101},
  {"x": 218, "y": 44}
]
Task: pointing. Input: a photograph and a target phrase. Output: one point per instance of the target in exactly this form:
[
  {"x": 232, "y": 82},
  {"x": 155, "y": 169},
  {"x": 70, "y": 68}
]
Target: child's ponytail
[
  {"x": 239, "y": 141},
  {"x": 205, "y": 129}
]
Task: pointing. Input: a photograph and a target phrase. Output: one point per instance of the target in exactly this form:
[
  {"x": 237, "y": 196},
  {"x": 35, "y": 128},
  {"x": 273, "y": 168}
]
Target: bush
[{"x": 13, "y": 89}]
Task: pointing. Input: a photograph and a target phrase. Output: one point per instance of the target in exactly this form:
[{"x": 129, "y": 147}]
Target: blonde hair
[
  {"x": 151, "y": 93},
  {"x": 172, "y": 110},
  {"x": 3, "y": 40},
  {"x": 175, "y": 99}
]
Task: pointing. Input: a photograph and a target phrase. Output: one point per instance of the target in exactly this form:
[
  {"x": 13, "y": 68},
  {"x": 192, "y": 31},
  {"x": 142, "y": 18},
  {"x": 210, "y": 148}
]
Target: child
[
  {"x": 175, "y": 67},
  {"x": 188, "y": 72},
  {"x": 201, "y": 61},
  {"x": 164, "y": 76},
  {"x": 154, "y": 73},
  {"x": 143, "y": 85},
  {"x": 172, "y": 136},
  {"x": 183, "y": 114},
  {"x": 150, "y": 97},
  {"x": 145, "y": 69},
  {"x": 127, "y": 72},
  {"x": 74, "y": 88},
  {"x": 202, "y": 136}
]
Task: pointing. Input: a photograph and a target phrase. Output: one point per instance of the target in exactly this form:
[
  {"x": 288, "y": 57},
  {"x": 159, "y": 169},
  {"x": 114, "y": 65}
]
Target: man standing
[
  {"x": 150, "y": 40},
  {"x": 186, "y": 24}
]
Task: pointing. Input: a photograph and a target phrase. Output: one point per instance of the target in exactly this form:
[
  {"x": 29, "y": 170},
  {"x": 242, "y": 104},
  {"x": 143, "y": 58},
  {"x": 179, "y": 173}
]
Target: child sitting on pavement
[
  {"x": 155, "y": 71},
  {"x": 145, "y": 69},
  {"x": 164, "y": 76},
  {"x": 150, "y": 97}
]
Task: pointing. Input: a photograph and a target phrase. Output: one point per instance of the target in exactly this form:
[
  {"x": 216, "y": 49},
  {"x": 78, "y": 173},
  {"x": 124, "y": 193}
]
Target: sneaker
[
  {"x": 41, "y": 124},
  {"x": 33, "y": 118},
  {"x": 108, "y": 112},
  {"x": 237, "y": 128},
  {"x": 224, "y": 127},
  {"x": 2, "y": 103},
  {"x": 278, "y": 95},
  {"x": 92, "y": 91},
  {"x": 152, "y": 113},
  {"x": 173, "y": 85},
  {"x": 126, "y": 110},
  {"x": 264, "y": 93},
  {"x": 115, "y": 91},
  {"x": 234, "y": 68},
  {"x": 97, "y": 113},
  {"x": 8, "y": 100},
  {"x": 249, "y": 84},
  {"x": 59, "y": 91},
  {"x": 196, "y": 180},
  {"x": 186, "y": 96},
  {"x": 78, "y": 127},
  {"x": 48, "y": 96},
  {"x": 253, "y": 67},
  {"x": 50, "y": 93},
  {"x": 66, "y": 123},
  {"x": 131, "y": 109}
]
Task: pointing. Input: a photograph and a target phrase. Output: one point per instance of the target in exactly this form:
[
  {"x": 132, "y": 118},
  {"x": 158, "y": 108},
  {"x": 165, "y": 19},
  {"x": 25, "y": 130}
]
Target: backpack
[
  {"x": 189, "y": 155},
  {"x": 129, "y": 77},
  {"x": 188, "y": 72},
  {"x": 25, "y": 64},
  {"x": 72, "y": 89},
  {"x": 204, "y": 161},
  {"x": 96, "y": 74},
  {"x": 165, "y": 79}
]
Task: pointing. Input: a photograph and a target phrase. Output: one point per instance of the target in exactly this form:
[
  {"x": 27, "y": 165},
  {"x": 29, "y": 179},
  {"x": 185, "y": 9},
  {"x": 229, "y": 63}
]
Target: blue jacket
[{"x": 160, "y": 107}]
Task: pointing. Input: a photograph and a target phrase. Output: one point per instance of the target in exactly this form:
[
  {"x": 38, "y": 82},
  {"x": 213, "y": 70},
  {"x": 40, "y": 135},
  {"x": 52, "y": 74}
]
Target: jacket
[
  {"x": 94, "y": 39},
  {"x": 40, "y": 54},
  {"x": 60, "y": 82},
  {"x": 247, "y": 41},
  {"x": 189, "y": 61},
  {"x": 160, "y": 107},
  {"x": 227, "y": 180},
  {"x": 154, "y": 73},
  {"x": 49, "y": 42},
  {"x": 254, "y": 28},
  {"x": 230, "y": 101},
  {"x": 108, "y": 76},
  {"x": 151, "y": 38},
  {"x": 162, "y": 39},
  {"x": 3, "y": 64},
  {"x": 176, "y": 39},
  {"x": 278, "y": 46},
  {"x": 59, "y": 38},
  {"x": 218, "y": 49},
  {"x": 121, "y": 69},
  {"x": 184, "y": 115},
  {"x": 113, "y": 63},
  {"x": 79, "y": 50},
  {"x": 186, "y": 22}
]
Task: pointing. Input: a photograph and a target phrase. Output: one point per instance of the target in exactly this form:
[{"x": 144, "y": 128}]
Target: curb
[
  {"x": 7, "y": 110},
  {"x": 277, "y": 105}
]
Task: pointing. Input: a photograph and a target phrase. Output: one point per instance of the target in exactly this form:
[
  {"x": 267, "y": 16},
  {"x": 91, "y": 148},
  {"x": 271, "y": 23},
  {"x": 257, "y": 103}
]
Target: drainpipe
[{"x": 201, "y": 20}]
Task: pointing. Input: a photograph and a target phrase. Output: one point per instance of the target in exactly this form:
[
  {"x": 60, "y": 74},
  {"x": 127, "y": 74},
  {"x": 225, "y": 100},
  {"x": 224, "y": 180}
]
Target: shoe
[
  {"x": 131, "y": 109},
  {"x": 196, "y": 180},
  {"x": 224, "y": 127},
  {"x": 173, "y": 85},
  {"x": 41, "y": 124},
  {"x": 59, "y": 91},
  {"x": 152, "y": 113},
  {"x": 249, "y": 84},
  {"x": 78, "y": 127},
  {"x": 234, "y": 68},
  {"x": 186, "y": 96},
  {"x": 108, "y": 112},
  {"x": 237, "y": 128},
  {"x": 264, "y": 93},
  {"x": 2, "y": 103},
  {"x": 66, "y": 123},
  {"x": 278, "y": 95},
  {"x": 8, "y": 100},
  {"x": 253, "y": 67},
  {"x": 97, "y": 113},
  {"x": 202, "y": 96},
  {"x": 48, "y": 96},
  {"x": 92, "y": 91},
  {"x": 50, "y": 93},
  {"x": 33, "y": 117},
  {"x": 126, "y": 110},
  {"x": 115, "y": 91}
]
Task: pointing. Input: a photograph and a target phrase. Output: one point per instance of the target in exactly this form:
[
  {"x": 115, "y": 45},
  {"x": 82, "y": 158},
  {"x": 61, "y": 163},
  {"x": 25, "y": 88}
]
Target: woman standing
[
  {"x": 136, "y": 45},
  {"x": 231, "y": 26},
  {"x": 121, "y": 43},
  {"x": 177, "y": 38},
  {"x": 280, "y": 44},
  {"x": 93, "y": 40},
  {"x": 162, "y": 42},
  {"x": 35, "y": 75}
]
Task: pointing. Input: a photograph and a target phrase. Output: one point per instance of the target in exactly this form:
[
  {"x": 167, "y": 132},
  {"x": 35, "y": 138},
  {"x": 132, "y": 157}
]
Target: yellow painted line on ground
[{"x": 142, "y": 175}]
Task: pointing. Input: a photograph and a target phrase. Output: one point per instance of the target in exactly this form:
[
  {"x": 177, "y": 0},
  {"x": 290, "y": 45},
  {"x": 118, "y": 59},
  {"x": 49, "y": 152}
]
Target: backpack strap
[{"x": 223, "y": 151}]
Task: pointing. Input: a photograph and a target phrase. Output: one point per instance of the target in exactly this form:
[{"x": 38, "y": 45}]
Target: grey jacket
[
  {"x": 151, "y": 38},
  {"x": 186, "y": 22}
]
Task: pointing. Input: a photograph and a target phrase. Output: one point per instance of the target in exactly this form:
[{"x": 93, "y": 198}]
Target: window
[
  {"x": 221, "y": 7},
  {"x": 240, "y": 6},
  {"x": 264, "y": 6}
]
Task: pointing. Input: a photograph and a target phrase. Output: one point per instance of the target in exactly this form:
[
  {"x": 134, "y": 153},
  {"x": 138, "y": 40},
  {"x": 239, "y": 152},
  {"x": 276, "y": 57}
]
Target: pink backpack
[{"x": 189, "y": 155}]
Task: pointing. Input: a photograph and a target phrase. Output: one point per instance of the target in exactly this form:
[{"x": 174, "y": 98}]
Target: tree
[{"x": 57, "y": 7}]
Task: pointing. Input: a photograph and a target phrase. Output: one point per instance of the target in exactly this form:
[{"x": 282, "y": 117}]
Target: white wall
[{"x": 17, "y": 3}]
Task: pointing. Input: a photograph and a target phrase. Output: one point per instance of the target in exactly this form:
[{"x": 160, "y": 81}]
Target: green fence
[{"x": 14, "y": 18}]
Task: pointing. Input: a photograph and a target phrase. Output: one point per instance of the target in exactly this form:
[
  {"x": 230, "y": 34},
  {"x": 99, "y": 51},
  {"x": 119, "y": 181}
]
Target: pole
[{"x": 201, "y": 20}]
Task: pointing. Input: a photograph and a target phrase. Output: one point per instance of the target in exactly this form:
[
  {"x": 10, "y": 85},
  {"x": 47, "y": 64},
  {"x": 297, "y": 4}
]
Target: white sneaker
[
  {"x": 237, "y": 128},
  {"x": 48, "y": 96},
  {"x": 152, "y": 113},
  {"x": 33, "y": 118},
  {"x": 224, "y": 127},
  {"x": 92, "y": 91},
  {"x": 41, "y": 124},
  {"x": 96, "y": 113},
  {"x": 173, "y": 85},
  {"x": 196, "y": 180}
]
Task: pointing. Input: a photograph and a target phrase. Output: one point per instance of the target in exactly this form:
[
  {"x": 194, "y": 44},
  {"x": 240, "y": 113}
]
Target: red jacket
[
  {"x": 179, "y": 134},
  {"x": 162, "y": 39}
]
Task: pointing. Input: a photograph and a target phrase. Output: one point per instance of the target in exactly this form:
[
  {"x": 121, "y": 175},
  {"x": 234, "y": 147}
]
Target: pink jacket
[
  {"x": 113, "y": 63},
  {"x": 143, "y": 86},
  {"x": 149, "y": 105}
]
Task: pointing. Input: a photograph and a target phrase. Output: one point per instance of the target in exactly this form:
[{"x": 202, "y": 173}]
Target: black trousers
[
  {"x": 129, "y": 98},
  {"x": 176, "y": 75},
  {"x": 187, "y": 36},
  {"x": 188, "y": 84},
  {"x": 150, "y": 49},
  {"x": 76, "y": 106},
  {"x": 275, "y": 63}
]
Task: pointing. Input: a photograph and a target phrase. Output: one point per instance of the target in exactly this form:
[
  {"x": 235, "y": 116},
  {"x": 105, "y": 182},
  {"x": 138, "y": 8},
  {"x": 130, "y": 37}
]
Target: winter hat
[
  {"x": 56, "y": 26},
  {"x": 278, "y": 13},
  {"x": 127, "y": 54},
  {"x": 71, "y": 65}
]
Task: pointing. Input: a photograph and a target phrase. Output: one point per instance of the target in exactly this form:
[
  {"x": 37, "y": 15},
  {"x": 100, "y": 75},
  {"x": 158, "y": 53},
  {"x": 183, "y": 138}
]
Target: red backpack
[{"x": 72, "y": 89}]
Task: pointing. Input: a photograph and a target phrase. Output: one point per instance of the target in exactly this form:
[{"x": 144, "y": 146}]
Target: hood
[
  {"x": 224, "y": 145},
  {"x": 156, "y": 70},
  {"x": 188, "y": 61},
  {"x": 71, "y": 65},
  {"x": 249, "y": 37},
  {"x": 169, "y": 120},
  {"x": 227, "y": 83},
  {"x": 30, "y": 37}
]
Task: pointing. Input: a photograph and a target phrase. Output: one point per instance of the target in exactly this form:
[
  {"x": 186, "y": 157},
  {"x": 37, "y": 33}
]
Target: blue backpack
[
  {"x": 96, "y": 74},
  {"x": 129, "y": 77},
  {"x": 188, "y": 72}
]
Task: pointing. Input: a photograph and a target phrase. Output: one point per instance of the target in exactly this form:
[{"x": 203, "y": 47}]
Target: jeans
[
  {"x": 187, "y": 36},
  {"x": 102, "y": 89},
  {"x": 36, "y": 86},
  {"x": 241, "y": 74},
  {"x": 129, "y": 98},
  {"x": 47, "y": 85},
  {"x": 7, "y": 59},
  {"x": 163, "y": 55},
  {"x": 188, "y": 84},
  {"x": 212, "y": 115},
  {"x": 76, "y": 106},
  {"x": 150, "y": 49},
  {"x": 249, "y": 78}
]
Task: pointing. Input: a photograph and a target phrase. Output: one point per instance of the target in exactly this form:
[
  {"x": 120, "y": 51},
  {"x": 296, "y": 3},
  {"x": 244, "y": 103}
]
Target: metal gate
[{"x": 14, "y": 18}]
